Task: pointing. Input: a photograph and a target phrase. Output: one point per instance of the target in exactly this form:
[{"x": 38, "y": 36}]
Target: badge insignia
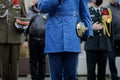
[
  {"x": 2, "y": 6},
  {"x": 92, "y": 15}
]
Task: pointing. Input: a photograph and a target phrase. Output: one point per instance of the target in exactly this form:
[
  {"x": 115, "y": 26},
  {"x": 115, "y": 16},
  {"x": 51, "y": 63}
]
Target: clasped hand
[{"x": 97, "y": 26}]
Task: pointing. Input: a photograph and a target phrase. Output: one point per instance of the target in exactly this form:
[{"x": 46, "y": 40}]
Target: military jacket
[
  {"x": 100, "y": 41},
  {"x": 8, "y": 13}
]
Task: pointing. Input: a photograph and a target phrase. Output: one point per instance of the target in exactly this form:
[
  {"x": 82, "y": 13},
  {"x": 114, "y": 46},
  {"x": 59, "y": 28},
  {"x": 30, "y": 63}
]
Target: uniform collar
[{"x": 97, "y": 8}]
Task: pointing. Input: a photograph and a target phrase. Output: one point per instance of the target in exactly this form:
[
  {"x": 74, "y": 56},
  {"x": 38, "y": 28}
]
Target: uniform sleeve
[
  {"x": 23, "y": 13},
  {"x": 25, "y": 35},
  {"x": 46, "y": 6},
  {"x": 85, "y": 16}
]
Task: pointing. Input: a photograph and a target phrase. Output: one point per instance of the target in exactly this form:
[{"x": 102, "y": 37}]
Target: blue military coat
[{"x": 63, "y": 17}]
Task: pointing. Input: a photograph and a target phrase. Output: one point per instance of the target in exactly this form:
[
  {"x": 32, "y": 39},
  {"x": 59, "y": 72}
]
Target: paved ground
[{"x": 47, "y": 78}]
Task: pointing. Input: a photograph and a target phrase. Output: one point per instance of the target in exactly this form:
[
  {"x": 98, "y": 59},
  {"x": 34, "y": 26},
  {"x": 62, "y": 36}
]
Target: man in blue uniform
[{"x": 61, "y": 41}]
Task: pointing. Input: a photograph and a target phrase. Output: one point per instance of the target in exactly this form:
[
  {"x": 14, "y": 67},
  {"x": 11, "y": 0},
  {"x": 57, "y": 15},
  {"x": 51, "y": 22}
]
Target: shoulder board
[{"x": 91, "y": 8}]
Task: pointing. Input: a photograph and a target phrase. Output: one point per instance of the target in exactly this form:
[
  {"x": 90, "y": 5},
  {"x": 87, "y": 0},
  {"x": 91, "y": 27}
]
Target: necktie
[{"x": 98, "y": 11}]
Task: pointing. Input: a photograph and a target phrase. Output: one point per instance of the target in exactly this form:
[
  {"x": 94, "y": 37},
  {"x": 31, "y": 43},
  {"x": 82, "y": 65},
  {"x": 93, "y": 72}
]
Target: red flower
[
  {"x": 16, "y": 2},
  {"x": 105, "y": 12}
]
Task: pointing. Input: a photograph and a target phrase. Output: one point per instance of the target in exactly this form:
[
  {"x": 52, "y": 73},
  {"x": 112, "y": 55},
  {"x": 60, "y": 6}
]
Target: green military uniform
[
  {"x": 100, "y": 41},
  {"x": 10, "y": 38},
  {"x": 97, "y": 48}
]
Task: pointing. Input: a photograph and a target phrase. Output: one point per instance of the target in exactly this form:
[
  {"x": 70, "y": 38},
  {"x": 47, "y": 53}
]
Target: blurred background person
[
  {"x": 34, "y": 37},
  {"x": 115, "y": 37}
]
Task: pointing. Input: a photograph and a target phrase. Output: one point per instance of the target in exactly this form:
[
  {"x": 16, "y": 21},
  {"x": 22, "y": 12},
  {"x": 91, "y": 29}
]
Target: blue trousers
[
  {"x": 112, "y": 64},
  {"x": 63, "y": 65}
]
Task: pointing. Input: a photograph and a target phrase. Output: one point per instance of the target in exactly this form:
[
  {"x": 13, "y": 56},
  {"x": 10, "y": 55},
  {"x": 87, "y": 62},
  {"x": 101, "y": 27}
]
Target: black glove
[{"x": 85, "y": 38}]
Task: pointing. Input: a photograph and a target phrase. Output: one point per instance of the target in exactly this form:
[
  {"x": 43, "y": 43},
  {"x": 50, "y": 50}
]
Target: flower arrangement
[
  {"x": 105, "y": 12},
  {"x": 106, "y": 19}
]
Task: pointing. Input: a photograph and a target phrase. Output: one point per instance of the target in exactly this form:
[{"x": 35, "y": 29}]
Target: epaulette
[{"x": 91, "y": 8}]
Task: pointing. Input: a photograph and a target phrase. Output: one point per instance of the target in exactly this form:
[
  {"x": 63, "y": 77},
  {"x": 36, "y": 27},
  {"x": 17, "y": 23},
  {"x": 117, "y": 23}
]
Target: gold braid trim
[{"x": 104, "y": 21}]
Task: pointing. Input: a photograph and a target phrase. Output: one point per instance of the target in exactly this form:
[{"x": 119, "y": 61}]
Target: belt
[
  {"x": 65, "y": 13},
  {"x": 36, "y": 38}
]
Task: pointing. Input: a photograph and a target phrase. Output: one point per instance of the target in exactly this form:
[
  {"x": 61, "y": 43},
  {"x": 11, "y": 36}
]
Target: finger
[{"x": 96, "y": 22}]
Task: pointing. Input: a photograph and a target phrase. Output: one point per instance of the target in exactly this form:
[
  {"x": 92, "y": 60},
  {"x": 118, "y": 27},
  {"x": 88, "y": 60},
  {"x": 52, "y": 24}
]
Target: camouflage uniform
[{"x": 10, "y": 38}]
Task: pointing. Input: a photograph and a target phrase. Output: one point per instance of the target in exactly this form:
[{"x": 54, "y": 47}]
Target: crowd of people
[{"x": 49, "y": 28}]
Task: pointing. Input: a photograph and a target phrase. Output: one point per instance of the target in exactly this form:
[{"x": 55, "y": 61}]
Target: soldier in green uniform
[
  {"x": 10, "y": 38},
  {"x": 98, "y": 46}
]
